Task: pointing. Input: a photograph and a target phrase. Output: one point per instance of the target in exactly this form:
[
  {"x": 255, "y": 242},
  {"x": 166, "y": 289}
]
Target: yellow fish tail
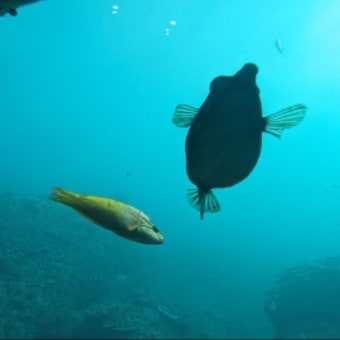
[{"x": 64, "y": 196}]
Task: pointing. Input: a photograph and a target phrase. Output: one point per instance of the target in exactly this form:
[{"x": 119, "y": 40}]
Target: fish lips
[{"x": 147, "y": 236}]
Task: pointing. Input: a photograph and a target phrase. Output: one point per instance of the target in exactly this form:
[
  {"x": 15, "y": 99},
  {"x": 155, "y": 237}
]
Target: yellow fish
[{"x": 124, "y": 220}]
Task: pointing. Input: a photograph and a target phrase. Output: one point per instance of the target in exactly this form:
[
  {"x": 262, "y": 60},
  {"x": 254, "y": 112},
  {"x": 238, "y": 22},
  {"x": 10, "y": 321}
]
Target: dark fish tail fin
[
  {"x": 203, "y": 201},
  {"x": 287, "y": 118},
  {"x": 184, "y": 115}
]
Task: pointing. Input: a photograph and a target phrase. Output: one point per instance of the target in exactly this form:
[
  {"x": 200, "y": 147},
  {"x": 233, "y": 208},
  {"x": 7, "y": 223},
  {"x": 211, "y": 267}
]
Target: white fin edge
[
  {"x": 287, "y": 118},
  {"x": 184, "y": 115}
]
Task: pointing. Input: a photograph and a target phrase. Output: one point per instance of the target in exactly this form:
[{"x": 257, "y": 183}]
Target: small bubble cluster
[
  {"x": 171, "y": 23},
  {"x": 115, "y": 9}
]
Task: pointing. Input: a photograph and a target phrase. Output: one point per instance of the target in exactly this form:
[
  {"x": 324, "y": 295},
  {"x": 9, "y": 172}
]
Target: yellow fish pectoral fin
[
  {"x": 135, "y": 221},
  {"x": 133, "y": 226}
]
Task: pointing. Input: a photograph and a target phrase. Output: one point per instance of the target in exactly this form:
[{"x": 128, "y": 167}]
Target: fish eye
[{"x": 154, "y": 228}]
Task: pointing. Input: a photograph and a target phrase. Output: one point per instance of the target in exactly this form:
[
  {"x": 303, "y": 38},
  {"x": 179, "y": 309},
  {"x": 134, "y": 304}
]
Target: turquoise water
[{"x": 87, "y": 98}]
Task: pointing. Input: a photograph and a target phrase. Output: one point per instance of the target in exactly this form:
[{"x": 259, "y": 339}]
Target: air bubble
[{"x": 115, "y": 9}]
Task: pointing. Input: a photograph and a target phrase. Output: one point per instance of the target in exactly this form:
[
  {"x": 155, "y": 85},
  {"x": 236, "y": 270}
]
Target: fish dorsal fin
[
  {"x": 287, "y": 118},
  {"x": 184, "y": 115}
]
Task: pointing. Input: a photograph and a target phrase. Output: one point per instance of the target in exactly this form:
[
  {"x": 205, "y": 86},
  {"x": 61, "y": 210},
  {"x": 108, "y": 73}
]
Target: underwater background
[{"x": 88, "y": 89}]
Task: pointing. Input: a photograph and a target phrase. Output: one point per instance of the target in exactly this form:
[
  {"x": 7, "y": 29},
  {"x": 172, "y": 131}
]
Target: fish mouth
[
  {"x": 160, "y": 239},
  {"x": 145, "y": 238},
  {"x": 154, "y": 239}
]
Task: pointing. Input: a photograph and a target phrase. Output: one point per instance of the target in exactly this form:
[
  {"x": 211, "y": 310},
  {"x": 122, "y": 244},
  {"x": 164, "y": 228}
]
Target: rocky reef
[
  {"x": 63, "y": 277},
  {"x": 305, "y": 302}
]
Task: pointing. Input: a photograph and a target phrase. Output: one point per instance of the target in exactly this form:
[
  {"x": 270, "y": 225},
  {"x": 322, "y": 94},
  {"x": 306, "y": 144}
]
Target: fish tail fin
[
  {"x": 287, "y": 118},
  {"x": 184, "y": 115},
  {"x": 203, "y": 201},
  {"x": 63, "y": 196}
]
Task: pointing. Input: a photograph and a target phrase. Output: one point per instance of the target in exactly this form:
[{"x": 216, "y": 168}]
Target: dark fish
[
  {"x": 11, "y": 6},
  {"x": 224, "y": 140}
]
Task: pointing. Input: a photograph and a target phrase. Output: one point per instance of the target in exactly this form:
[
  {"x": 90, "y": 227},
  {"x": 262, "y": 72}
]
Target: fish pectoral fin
[
  {"x": 203, "y": 201},
  {"x": 287, "y": 118},
  {"x": 184, "y": 115},
  {"x": 132, "y": 227}
]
